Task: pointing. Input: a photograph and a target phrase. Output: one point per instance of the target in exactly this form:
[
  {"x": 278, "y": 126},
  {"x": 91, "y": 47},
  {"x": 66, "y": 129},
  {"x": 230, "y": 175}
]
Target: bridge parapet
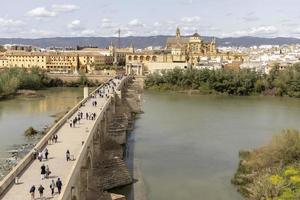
[{"x": 71, "y": 182}]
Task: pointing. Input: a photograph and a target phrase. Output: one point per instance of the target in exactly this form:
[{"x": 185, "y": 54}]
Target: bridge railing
[
  {"x": 26, "y": 161},
  {"x": 75, "y": 170}
]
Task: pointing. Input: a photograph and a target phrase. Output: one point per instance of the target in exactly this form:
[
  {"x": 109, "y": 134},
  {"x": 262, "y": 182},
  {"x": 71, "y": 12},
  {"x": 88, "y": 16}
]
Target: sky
[{"x": 220, "y": 18}]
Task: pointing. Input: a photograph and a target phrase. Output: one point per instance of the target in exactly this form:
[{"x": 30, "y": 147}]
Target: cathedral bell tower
[{"x": 178, "y": 33}]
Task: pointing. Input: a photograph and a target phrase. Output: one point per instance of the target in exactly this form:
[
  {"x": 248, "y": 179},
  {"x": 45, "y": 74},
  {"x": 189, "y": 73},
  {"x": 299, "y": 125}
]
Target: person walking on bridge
[
  {"x": 59, "y": 185},
  {"x": 48, "y": 172},
  {"x": 32, "y": 192},
  {"x": 52, "y": 187},
  {"x": 41, "y": 191},
  {"x": 46, "y": 153},
  {"x": 43, "y": 171},
  {"x": 68, "y": 156},
  {"x": 40, "y": 156}
]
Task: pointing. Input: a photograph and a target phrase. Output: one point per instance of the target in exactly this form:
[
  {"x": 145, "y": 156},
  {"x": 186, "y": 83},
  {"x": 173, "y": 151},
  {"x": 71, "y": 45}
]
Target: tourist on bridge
[
  {"x": 52, "y": 187},
  {"x": 40, "y": 156},
  {"x": 46, "y": 153},
  {"x": 59, "y": 185},
  {"x": 41, "y": 191},
  {"x": 74, "y": 121},
  {"x": 55, "y": 138},
  {"x": 35, "y": 153},
  {"x": 43, "y": 172},
  {"x": 32, "y": 192},
  {"x": 68, "y": 155},
  {"x": 48, "y": 172}
]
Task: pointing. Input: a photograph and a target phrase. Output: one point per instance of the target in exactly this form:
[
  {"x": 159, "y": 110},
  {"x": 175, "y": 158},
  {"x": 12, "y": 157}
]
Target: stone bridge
[{"x": 97, "y": 147}]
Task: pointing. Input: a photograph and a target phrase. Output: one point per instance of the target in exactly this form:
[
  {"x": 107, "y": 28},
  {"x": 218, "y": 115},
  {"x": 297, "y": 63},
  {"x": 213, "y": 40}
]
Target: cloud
[
  {"x": 79, "y": 30},
  {"x": 75, "y": 25},
  {"x": 136, "y": 23},
  {"x": 11, "y": 26},
  {"x": 194, "y": 19},
  {"x": 64, "y": 8},
  {"x": 255, "y": 31},
  {"x": 4, "y": 22},
  {"x": 41, "y": 12},
  {"x": 264, "y": 30}
]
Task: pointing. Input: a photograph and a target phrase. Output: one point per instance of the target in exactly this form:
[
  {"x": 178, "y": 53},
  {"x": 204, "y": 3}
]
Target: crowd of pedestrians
[{"x": 54, "y": 186}]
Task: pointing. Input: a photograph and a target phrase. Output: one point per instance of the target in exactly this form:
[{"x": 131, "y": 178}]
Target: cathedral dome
[{"x": 196, "y": 35}]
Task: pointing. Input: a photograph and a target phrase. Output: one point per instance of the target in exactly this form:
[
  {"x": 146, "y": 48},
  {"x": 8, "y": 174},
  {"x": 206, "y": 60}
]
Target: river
[
  {"x": 187, "y": 146},
  {"x": 18, "y": 114}
]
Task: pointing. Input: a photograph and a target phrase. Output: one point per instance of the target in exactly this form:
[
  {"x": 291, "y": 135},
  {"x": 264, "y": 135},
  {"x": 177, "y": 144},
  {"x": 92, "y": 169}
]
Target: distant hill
[{"x": 142, "y": 42}]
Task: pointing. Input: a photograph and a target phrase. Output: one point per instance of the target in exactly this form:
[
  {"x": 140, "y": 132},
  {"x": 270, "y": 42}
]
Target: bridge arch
[
  {"x": 86, "y": 176},
  {"x": 154, "y": 58}
]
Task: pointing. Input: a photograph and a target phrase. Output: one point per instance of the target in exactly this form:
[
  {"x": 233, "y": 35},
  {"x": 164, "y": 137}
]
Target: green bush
[
  {"x": 272, "y": 171},
  {"x": 243, "y": 82}
]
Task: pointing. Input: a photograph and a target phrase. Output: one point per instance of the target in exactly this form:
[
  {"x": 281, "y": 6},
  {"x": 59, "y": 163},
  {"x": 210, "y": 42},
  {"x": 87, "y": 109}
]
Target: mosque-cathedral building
[
  {"x": 179, "y": 51},
  {"x": 193, "y": 45}
]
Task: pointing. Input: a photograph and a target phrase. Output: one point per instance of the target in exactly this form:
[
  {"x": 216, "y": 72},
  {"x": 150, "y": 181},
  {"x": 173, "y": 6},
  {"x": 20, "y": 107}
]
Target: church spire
[{"x": 178, "y": 33}]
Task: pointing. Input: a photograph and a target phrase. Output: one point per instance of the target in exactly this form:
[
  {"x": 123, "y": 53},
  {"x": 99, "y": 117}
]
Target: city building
[
  {"x": 56, "y": 62},
  {"x": 179, "y": 52}
]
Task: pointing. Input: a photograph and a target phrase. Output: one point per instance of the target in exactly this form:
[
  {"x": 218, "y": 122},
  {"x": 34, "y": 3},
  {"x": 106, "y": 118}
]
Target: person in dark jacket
[
  {"x": 43, "y": 171},
  {"x": 41, "y": 191},
  {"x": 46, "y": 154},
  {"x": 59, "y": 185},
  {"x": 32, "y": 192},
  {"x": 68, "y": 155}
]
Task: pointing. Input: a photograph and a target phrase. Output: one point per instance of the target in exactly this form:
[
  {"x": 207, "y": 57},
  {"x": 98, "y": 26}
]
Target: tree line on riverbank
[
  {"x": 272, "y": 171},
  {"x": 243, "y": 82},
  {"x": 14, "y": 79}
]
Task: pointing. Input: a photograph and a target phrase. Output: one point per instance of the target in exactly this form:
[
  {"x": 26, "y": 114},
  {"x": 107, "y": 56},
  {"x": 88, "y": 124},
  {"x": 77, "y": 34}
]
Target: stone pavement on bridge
[{"x": 68, "y": 139}]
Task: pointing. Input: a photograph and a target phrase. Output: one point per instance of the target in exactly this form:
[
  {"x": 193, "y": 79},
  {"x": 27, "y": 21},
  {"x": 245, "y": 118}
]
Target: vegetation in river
[
  {"x": 243, "y": 82},
  {"x": 30, "y": 132},
  {"x": 272, "y": 171}
]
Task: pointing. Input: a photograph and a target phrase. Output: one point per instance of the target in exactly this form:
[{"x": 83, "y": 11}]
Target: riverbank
[
  {"x": 19, "y": 81},
  {"x": 272, "y": 171},
  {"x": 237, "y": 83}
]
